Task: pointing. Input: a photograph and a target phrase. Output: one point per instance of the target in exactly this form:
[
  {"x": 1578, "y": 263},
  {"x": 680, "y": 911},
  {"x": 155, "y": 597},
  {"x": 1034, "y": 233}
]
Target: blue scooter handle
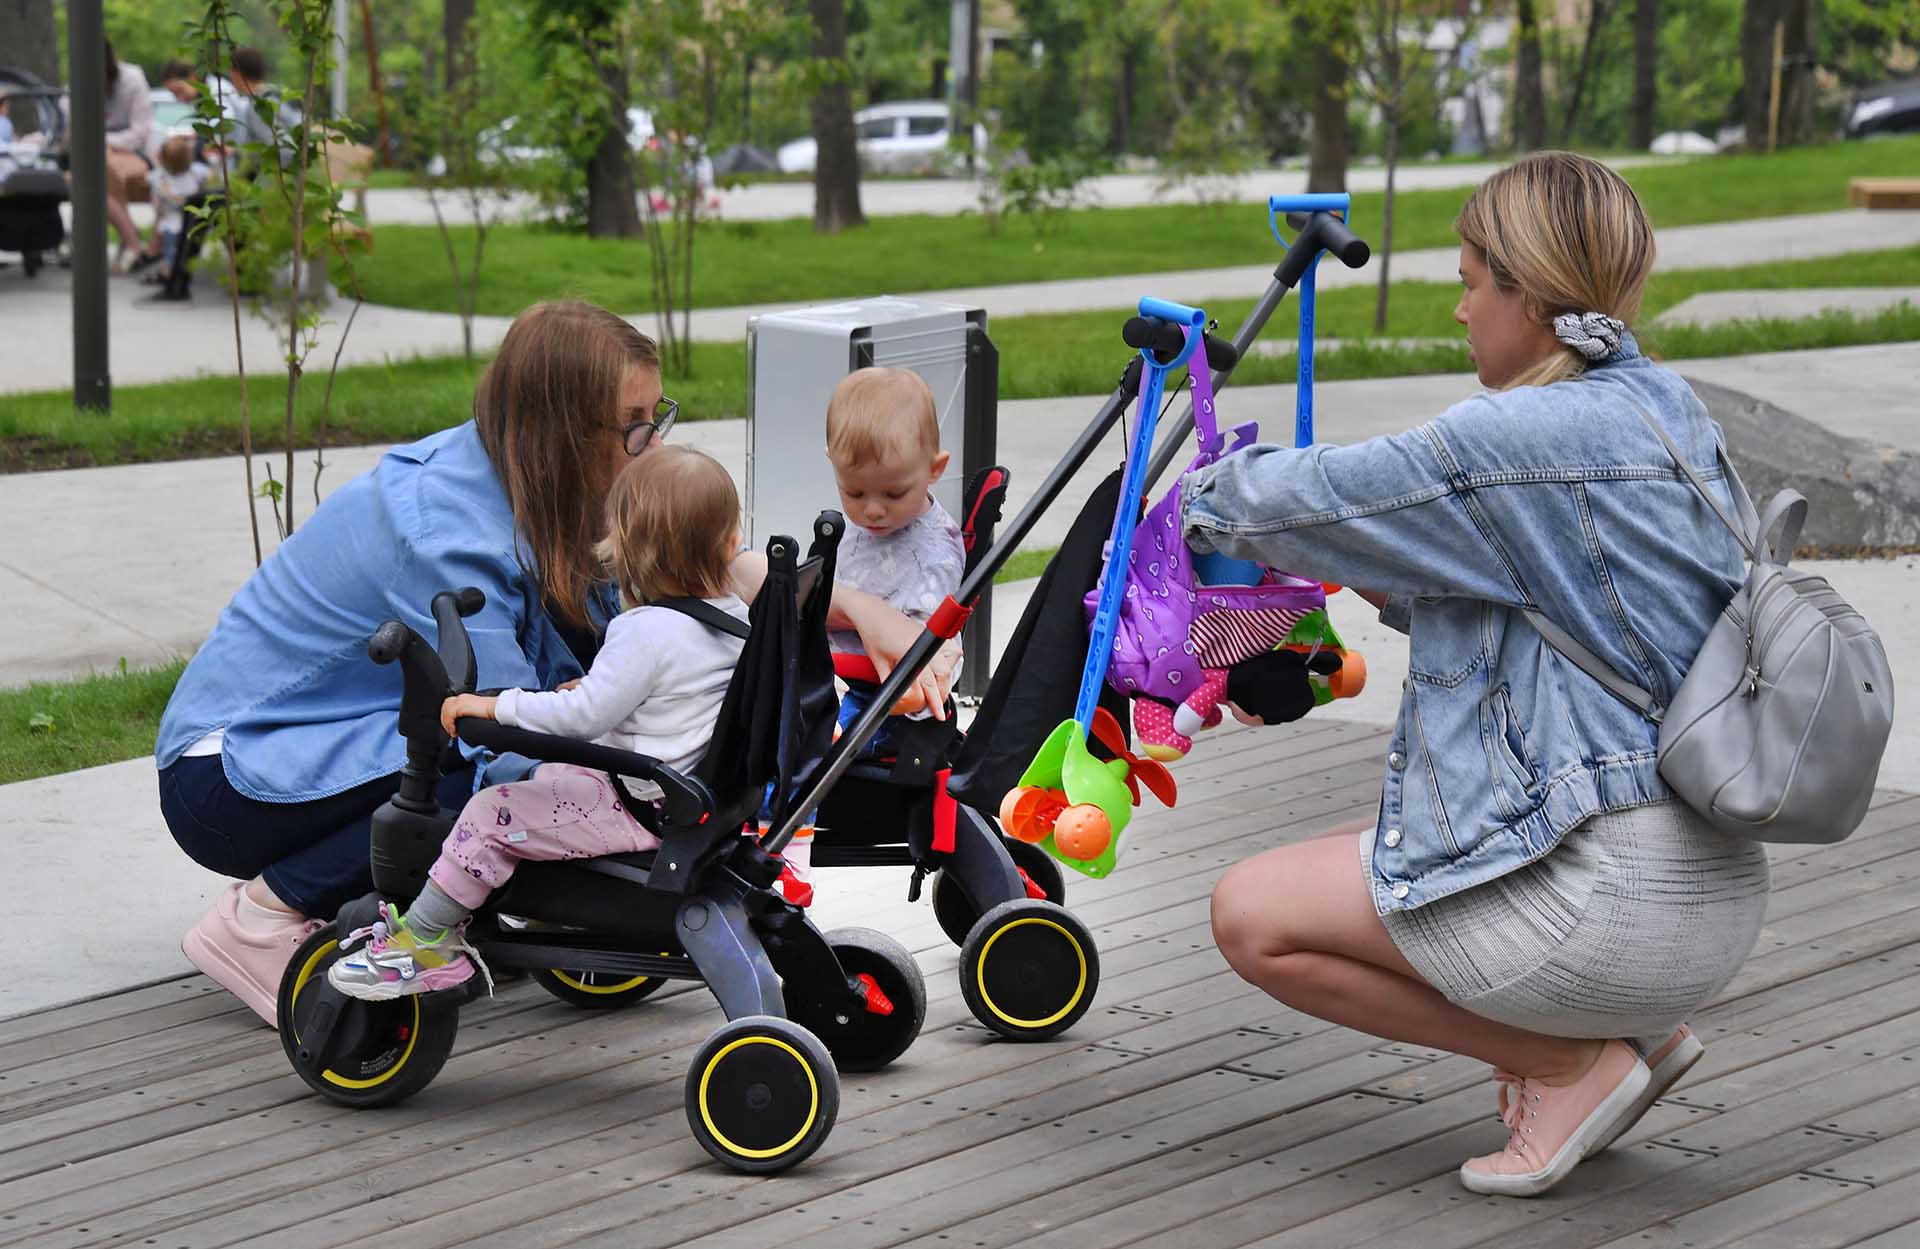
[{"x": 1167, "y": 310}]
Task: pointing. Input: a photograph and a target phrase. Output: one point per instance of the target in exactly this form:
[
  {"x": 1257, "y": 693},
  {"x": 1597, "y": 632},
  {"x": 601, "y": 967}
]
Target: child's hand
[
  {"x": 465, "y": 706},
  {"x": 568, "y": 685}
]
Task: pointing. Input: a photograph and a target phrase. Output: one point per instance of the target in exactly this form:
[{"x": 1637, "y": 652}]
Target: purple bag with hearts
[{"x": 1172, "y": 625}]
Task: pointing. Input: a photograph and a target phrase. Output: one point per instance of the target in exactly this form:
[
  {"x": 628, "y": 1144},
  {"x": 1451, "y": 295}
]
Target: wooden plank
[
  {"x": 1862, "y": 1215},
  {"x": 174, "y": 1010},
  {"x": 78, "y": 1017},
  {"x": 1797, "y": 1106},
  {"x": 1879, "y": 1162},
  {"x": 1884, "y": 193},
  {"x": 1732, "y": 1220}
]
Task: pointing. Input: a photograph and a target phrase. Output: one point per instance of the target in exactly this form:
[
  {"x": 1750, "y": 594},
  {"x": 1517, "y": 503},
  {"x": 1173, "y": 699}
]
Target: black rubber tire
[
  {"x": 868, "y": 1042},
  {"x": 1029, "y": 969},
  {"x": 395, "y": 1048},
  {"x": 578, "y": 988},
  {"x": 956, "y": 913},
  {"x": 762, "y": 1094}
]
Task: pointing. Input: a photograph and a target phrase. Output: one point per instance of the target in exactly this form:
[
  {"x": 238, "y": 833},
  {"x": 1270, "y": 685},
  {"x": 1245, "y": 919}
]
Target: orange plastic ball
[
  {"x": 1082, "y": 832},
  {"x": 1028, "y": 812}
]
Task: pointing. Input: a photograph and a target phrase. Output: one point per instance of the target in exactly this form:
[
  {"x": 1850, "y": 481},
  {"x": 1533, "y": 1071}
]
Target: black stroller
[
  {"x": 32, "y": 186},
  {"x": 762, "y": 1092}
]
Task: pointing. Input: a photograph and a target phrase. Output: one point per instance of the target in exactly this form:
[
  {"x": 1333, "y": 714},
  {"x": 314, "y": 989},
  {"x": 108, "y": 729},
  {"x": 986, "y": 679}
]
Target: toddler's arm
[{"x": 623, "y": 675}]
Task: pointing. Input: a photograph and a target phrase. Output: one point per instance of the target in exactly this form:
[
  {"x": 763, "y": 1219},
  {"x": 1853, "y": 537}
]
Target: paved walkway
[
  {"x": 947, "y": 197},
  {"x": 1716, "y": 307},
  {"x": 150, "y": 344}
]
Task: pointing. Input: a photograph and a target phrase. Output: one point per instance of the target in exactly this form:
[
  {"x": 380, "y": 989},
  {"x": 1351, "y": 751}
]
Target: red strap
[
  {"x": 851, "y": 667},
  {"x": 948, "y": 618},
  {"x": 945, "y": 812},
  {"x": 993, "y": 481},
  {"x": 1033, "y": 890}
]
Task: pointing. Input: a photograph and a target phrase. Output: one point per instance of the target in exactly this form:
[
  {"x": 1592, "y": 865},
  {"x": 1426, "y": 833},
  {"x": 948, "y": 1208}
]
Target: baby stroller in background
[
  {"x": 32, "y": 186},
  {"x": 762, "y": 1092}
]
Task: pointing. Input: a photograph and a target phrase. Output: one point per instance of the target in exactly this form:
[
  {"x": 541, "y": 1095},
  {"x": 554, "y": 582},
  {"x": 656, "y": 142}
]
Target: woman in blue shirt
[
  {"x": 281, "y": 739},
  {"x": 1530, "y": 892}
]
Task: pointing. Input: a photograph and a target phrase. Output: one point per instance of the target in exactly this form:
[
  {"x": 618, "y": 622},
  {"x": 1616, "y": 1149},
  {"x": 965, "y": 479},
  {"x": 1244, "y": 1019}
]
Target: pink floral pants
[{"x": 560, "y": 812}]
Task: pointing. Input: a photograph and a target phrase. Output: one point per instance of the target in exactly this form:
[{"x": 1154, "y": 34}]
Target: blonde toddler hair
[
  {"x": 878, "y": 415},
  {"x": 673, "y": 518},
  {"x": 176, "y": 154},
  {"x": 1569, "y": 234}
]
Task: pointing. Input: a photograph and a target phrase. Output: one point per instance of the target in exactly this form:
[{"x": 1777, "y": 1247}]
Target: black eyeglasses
[{"x": 637, "y": 436}]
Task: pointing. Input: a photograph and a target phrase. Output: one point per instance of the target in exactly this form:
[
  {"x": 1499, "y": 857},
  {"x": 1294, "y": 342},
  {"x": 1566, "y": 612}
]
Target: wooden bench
[{"x": 1881, "y": 193}]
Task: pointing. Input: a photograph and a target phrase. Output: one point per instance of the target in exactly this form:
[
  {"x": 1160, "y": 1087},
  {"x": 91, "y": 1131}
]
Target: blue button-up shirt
[
  {"x": 1552, "y": 498},
  {"x": 285, "y": 674}
]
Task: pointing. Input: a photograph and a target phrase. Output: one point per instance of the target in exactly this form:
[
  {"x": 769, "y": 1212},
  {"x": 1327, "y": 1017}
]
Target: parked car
[
  {"x": 498, "y": 144},
  {"x": 908, "y": 136},
  {"x": 1890, "y": 108}
]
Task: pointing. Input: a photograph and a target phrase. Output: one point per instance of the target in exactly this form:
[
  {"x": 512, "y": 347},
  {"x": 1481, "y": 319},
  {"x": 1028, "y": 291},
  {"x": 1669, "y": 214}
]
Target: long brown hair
[
  {"x": 1570, "y": 235},
  {"x": 673, "y": 524},
  {"x": 547, "y": 409}
]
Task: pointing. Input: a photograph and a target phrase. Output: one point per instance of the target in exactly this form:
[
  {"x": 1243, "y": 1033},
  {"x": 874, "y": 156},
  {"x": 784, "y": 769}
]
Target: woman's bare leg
[
  {"x": 1297, "y": 922},
  {"x": 121, "y": 166}
]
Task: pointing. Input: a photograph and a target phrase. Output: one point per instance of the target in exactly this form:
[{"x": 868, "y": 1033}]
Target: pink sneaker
[
  {"x": 1665, "y": 1066},
  {"x": 1553, "y": 1128},
  {"x": 245, "y": 963}
]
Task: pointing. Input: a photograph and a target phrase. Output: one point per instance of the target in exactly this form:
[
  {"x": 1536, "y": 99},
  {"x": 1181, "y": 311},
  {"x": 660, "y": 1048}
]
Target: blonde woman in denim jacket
[{"x": 1530, "y": 892}]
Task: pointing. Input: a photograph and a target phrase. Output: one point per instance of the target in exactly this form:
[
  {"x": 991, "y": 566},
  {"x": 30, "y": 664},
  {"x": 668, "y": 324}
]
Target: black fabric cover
[
  {"x": 1034, "y": 685},
  {"x": 777, "y": 719}
]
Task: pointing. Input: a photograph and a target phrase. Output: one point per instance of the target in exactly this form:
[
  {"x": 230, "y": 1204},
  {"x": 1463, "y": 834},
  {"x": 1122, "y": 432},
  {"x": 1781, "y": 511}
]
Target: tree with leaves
[
  {"x": 1332, "y": 34},
  {"x": 1792, "y": 27},
  {"x": 27, "y": 33},
  {"x": 586, "y": 75}
]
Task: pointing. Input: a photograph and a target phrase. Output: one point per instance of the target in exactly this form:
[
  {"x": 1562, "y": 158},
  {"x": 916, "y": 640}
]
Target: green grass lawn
[
  {"x": 62, "y": 726},
  {"x": 1075, "y": 353},
  {"x": 761, "y": 262}
]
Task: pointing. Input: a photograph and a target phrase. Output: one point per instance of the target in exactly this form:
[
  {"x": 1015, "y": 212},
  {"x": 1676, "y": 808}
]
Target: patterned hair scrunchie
[{"x": 1594, "y": 335}]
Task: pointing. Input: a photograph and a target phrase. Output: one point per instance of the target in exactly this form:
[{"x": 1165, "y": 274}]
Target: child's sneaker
[{"x": 395, "y": 962}]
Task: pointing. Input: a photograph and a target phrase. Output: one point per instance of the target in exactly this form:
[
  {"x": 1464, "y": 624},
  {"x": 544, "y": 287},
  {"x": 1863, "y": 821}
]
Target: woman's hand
[
  {"x": 466, "y": 706},
  {"x": 570, "y": 685}
]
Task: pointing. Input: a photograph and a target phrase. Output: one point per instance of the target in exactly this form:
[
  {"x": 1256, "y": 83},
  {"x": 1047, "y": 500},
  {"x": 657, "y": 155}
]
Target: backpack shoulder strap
[
  {"x": 1594, "y": 666},
  {"x": 707, "y": 614},
  {"x": 1744, "y": 533}
]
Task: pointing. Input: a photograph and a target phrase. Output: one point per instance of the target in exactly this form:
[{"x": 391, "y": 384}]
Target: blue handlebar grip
[
  {"x": 1167, "y": 310},
  {"x": 1322, "y": 201}
]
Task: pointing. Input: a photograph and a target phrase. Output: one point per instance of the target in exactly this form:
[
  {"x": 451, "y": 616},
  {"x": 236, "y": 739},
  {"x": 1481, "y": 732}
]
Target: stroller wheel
[
  {"x": 957, "y": 913},
  {"x": 595, "y": 990},
  {"x": 377, "y": 1053},
  {"x": 1029, "y": 969},
  {"x": 868, "y": 1040},
  {"x": 762, "y": 1094}
]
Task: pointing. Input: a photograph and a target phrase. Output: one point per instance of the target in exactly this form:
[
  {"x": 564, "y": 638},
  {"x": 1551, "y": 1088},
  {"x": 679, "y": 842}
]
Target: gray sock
[{"x": 433, "y": 912}]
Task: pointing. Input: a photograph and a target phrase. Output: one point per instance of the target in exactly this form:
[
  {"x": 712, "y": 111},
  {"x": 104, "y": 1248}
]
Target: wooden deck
[{"x": 1184, "y": 1110}]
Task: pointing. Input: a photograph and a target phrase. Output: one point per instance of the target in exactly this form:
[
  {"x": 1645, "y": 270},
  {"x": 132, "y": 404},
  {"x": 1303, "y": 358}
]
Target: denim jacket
[
  {"x": 1555, "y": 498},
  {"x": 285, "y": 673}
]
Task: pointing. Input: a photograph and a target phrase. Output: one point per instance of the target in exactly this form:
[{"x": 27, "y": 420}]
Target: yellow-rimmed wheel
[
  {"x": 1029, "y": 969},
  {"x": 378, "y": 1053},
  {"x": 597, "y": 990},
  {"x": 957, "y": 913},
  {"x": 762, "y": 1094}
]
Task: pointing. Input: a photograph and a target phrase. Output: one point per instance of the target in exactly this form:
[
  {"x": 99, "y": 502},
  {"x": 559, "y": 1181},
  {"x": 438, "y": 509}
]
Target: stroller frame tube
[{"x": 857, "y": 735}]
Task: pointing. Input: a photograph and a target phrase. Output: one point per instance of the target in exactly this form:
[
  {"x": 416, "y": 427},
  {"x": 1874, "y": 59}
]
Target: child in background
[
  {"x": 655, "y": 687},
  {"x": 178, "y": 179}
]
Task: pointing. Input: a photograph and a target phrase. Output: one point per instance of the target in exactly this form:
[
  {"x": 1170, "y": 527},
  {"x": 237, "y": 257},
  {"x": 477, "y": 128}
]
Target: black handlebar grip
[
  {"x": 1338, "y": 237},
  {"x": 387, "y": 642},
  {"x": 1137, "y": 332},
  {"x": 469, "y": 600},
  {"x": 1221, "y": 355},
  {"x": 455, "y": 648}
]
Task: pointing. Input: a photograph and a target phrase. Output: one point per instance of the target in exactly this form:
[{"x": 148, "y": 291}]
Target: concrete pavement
[{"x": 149, "y": 344}]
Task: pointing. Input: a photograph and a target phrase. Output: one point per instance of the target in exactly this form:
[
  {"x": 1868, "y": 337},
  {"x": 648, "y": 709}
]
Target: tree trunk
[
  {"x": 454, "y": 17},
  {"x": 611, "y": 212},
  {"x": 1646, "y": 67},
  {"x": 1123, "y": 101},
  {"x": 1529, "y": 97},
  {"x": 1328, "y": 146},
  {"x": 1756, "y": 64},
  {"x": 1598, "y": 11},
  {"x": 836, "y": 166},
  {"x": 1796, "y": 80},
  {"x": 1385, "y": 253},
  {"x": 27, "y": 33}
]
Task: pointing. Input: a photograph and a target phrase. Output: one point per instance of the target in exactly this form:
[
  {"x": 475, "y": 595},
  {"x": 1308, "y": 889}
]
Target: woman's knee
[{"x": 1247, "y": 918}]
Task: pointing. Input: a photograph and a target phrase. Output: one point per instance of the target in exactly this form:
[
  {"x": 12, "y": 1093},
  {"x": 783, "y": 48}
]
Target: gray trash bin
[{"x": 795, "y": 359}]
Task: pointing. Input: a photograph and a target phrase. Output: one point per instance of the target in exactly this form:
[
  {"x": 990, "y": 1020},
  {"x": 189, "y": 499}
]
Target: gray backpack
[{"x": 1777, "y": 732}]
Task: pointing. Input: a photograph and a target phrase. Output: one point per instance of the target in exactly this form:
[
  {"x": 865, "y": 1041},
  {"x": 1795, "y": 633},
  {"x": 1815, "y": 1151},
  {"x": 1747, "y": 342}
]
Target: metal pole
[
  {"x": 340, "y": 19},
  {"x": 87, "y": 141}
]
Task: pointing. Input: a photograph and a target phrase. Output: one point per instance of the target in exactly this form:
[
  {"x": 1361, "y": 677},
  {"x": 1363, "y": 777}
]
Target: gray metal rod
[{"x": 87, "y": 154}]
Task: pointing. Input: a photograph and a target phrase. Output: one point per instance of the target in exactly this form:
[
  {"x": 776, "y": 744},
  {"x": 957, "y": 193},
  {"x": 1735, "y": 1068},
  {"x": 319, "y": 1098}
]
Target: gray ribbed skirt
[{"x": 1633, "y": 922}]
